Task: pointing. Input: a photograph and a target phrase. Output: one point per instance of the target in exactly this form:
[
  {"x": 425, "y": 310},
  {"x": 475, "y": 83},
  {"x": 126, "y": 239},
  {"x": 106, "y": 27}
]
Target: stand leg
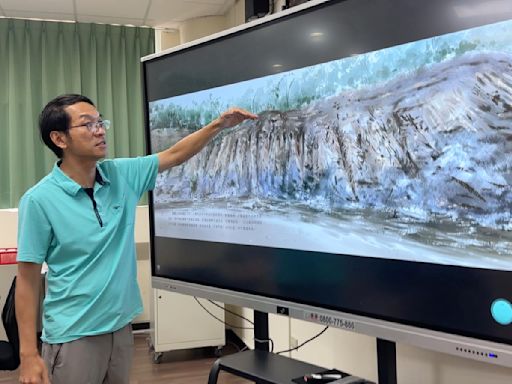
[
  {"x": 214, "y": 373},
  {"x": 386, "y": 361},
  {"x": 261, "y": 331}
]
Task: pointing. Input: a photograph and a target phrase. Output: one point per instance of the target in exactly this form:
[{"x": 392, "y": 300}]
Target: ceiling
[{"x": 153, "y": 13}]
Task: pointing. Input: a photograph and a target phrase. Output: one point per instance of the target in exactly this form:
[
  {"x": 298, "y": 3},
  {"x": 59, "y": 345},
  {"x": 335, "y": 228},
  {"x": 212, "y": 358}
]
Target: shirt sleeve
[
  {"x": 139, "y": 172},
  {"x": 34, "y": 231}
]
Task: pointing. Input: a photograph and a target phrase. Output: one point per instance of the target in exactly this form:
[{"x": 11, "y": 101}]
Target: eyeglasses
[{"x": 94, "y": 126}]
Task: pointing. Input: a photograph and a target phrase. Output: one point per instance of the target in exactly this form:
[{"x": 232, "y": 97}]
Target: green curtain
[{"x": 40, "y": 60}]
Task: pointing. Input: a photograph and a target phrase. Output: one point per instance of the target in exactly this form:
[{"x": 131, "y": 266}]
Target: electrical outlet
[{"x": 294, "y": 342}]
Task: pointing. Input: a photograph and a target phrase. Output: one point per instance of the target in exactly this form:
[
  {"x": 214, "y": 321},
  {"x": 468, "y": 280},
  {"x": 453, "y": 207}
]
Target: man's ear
[{"x": 60, "y": 139}]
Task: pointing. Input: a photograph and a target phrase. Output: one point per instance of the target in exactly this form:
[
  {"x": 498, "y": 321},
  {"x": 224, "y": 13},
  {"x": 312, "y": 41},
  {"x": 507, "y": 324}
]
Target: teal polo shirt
[{"x": 92, "y": 277}]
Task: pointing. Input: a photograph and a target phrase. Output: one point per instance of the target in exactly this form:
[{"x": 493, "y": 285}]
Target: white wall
[
  {"x": 8, "y": 232},
  {"x": 199, "y": 27},
  {"x": 236, "y": 14},
  {"x": 7, "y": 273},
  {"x": 165, "y": 39}
]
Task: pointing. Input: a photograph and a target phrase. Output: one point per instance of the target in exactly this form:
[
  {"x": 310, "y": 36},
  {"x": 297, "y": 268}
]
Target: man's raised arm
[{"x": 193, "y": 143}]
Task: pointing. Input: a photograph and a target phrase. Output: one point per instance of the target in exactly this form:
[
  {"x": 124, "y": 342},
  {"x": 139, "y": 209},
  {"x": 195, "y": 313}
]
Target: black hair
[{"x": 55, "y": 118}]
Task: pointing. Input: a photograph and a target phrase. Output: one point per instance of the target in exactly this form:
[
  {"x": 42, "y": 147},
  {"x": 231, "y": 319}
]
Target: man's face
[{"x": 85, "y": 138}]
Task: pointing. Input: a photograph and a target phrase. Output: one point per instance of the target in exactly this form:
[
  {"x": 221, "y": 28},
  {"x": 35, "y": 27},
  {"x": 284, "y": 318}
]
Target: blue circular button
[{"x": 501, "y": 310}]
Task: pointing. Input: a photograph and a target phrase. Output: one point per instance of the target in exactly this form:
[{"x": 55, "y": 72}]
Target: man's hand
[
  {"x": 33, "y": 370},
  {"x": 234, "y": 116},
  {"x": 193, "y": 143}
]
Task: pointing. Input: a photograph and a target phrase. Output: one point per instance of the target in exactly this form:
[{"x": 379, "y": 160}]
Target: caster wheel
[
  {"x": 157, "y": 357},
  {"x": 217, "y": 351}
]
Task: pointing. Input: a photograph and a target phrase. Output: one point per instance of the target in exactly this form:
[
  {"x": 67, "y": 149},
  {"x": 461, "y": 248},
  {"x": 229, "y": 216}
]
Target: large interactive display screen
[{"x": 377, "y": 179}]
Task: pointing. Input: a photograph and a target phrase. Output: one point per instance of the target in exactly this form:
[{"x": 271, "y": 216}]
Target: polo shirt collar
[
  {"x": 100, "y": 176},
  {"x": 71, "y": 186}
]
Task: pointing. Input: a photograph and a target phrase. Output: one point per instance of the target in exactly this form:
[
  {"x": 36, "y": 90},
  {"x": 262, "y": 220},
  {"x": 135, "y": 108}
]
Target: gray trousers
[{"x": 102, "y": 359}]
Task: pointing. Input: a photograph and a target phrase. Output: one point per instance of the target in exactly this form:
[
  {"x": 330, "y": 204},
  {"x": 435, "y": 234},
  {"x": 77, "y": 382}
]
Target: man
[{"x": 79, "y": 219}]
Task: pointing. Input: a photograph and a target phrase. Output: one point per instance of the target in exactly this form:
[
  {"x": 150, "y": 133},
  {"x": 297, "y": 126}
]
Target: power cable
[{"x": 305, "y": 342}]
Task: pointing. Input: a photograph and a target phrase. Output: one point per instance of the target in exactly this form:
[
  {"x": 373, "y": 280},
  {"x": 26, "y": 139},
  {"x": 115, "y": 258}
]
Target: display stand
[{"x": 262, "y": 366}]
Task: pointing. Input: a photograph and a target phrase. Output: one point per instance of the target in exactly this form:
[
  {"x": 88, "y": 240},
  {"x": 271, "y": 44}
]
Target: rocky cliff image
[{"x": 436, "y": 143}]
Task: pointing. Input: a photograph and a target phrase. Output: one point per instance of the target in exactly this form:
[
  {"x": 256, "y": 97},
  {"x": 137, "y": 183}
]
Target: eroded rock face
[{"x": 437, "y": 142}]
